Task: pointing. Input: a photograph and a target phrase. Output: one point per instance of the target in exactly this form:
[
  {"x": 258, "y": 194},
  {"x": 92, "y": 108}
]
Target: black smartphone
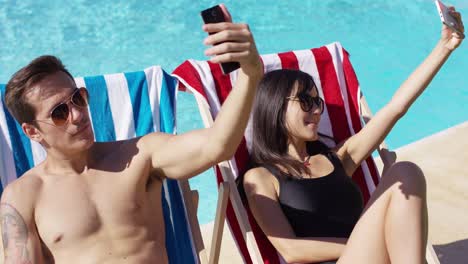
[{"x": 215, "y": 15}]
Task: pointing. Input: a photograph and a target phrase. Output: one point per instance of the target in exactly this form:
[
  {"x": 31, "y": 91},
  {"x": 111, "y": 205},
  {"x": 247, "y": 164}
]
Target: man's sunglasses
[
  {"x": 308, "y": 102},
  {"x": 60, "y": 114}
]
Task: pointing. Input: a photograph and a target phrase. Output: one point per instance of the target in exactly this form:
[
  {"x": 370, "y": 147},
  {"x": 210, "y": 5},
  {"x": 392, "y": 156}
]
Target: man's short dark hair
[{"x": 25, "y": 79}]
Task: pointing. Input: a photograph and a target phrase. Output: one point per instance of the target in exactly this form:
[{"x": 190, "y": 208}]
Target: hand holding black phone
[{"x": 215, "y": 15}]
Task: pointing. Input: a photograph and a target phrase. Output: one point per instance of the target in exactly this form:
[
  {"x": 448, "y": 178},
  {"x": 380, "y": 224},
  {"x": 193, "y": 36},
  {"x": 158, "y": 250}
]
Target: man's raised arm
[{"x": 186, "y": 155}]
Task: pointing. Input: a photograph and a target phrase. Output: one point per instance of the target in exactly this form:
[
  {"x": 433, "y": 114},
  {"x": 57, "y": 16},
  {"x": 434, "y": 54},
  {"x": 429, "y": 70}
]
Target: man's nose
[{"x": 76, "y": 113}]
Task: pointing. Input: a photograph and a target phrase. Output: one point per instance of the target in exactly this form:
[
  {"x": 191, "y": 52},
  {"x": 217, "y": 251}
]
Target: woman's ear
[{"x": 32, "y": 132}]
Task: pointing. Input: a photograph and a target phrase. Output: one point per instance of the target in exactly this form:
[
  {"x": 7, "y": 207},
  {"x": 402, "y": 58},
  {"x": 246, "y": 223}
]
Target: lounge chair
[
  {"x": 345, "y": 111},
  {"x": 123, "y": 106}
]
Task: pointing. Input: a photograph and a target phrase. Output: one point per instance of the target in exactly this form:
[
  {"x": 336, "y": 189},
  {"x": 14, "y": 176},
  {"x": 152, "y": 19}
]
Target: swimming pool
[{"x": 386, "y": 39}]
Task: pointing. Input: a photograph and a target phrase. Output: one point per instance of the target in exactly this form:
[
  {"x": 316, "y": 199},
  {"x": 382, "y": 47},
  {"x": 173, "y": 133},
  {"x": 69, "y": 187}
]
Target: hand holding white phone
[{"x": 446, "y": 17}]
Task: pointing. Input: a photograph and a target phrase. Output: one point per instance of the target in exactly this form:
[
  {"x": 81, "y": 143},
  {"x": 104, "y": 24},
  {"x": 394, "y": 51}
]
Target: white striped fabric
[
  {"x": 120, "y": 103},
  {"x": 306, "y": 62},
  {"x": 7, "y": 172}
]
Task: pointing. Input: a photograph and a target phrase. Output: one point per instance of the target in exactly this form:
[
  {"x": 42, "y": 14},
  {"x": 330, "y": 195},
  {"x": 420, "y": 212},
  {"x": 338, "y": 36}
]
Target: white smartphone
[{"x": 446, "y": 17}]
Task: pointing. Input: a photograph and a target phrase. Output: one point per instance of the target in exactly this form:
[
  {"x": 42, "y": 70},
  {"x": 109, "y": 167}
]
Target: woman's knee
[{"x": 408, "y": 177}]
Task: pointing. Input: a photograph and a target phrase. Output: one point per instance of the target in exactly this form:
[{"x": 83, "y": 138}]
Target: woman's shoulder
[
  {"x": 260, "y": 180},
  {"x": 258, "y": 175}
]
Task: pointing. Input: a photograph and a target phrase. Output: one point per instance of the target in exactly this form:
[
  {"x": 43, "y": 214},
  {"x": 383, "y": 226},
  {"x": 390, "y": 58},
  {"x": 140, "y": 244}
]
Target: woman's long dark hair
[{"x": 270, "y": 135}]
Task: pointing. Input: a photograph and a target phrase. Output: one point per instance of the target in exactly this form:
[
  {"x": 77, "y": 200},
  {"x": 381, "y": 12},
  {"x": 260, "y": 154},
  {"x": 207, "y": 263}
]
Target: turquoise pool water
[{"x": 386, "y": 39}]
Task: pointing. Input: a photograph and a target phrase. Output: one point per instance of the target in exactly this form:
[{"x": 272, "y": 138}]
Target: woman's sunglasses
[
  {"x": 308, "y": 102},
  {"x": 60, "y": 114}
]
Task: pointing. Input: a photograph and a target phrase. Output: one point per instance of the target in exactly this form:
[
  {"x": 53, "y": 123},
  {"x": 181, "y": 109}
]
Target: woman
[{"x": 300, "y": 191}]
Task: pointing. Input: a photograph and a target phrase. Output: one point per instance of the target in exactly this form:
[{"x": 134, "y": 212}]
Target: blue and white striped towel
[{"x": 122, "y": 106}]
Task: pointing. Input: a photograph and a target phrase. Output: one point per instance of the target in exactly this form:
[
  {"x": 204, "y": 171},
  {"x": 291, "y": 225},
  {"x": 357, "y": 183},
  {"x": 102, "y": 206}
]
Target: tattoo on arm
[{"x": 14, "y": 235}]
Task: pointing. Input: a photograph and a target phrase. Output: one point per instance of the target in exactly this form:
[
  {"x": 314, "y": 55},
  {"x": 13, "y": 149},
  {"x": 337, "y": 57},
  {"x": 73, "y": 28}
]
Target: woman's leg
[{"x": 393, "y": 227}]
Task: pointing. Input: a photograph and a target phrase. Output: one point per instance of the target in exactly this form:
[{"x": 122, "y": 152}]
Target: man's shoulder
[
  {"x": 158, "y": 136},
  {"x": 153, "y": 139},
  {"x": 123, "y": 150},
  {"x": 23, "y": 190},
  {"x": 137, "y": 141}
]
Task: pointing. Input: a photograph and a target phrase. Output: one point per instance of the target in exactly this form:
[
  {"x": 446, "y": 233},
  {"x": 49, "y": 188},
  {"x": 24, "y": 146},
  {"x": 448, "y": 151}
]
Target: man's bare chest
[{"x": 79, "y": 208}]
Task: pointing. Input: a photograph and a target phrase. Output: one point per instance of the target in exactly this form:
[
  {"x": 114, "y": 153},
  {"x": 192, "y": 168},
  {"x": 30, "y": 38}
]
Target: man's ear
[{"x": 32, "y": 132}]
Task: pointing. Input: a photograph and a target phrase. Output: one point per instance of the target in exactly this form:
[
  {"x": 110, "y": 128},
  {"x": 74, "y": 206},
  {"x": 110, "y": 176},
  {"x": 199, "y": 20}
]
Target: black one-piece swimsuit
[{"x": 327, "y": 206}]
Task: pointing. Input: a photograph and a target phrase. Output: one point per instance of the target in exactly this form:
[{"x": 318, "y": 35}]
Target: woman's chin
[{"x": 313, "y": 137}]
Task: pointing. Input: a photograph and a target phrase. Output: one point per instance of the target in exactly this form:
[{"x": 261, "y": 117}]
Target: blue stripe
[
  {"x": 171, "y": 245},
  {"x": 21, "y": 145},
  {"x": 166, "y": 105},
  {"x": 139, "y": 95},
  {"x": 177, "y": 236},
  {"x": 100, "y": 110}
]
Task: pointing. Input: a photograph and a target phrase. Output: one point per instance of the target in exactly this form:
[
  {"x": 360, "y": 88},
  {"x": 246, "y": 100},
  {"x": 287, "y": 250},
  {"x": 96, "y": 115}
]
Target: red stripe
[
  {"x": 289, "y": 60},
  {"x": 267, "y": 250},
  {"x": 332, "y": 93},
  {"x": 335, "y": 105},
  {"x": 223, "y": 87},
  {"x": 359, "y": 178},
  {"x": 181, "y": 87},
  {"x": 242, "y": 157},
  {"x": 222, "y": 82},
  {"x": 352, "y": 85},
  {"x": 234, "y": 224},
  {"x": 373, "y": 170},
  {"x": 187, "y": 72}
]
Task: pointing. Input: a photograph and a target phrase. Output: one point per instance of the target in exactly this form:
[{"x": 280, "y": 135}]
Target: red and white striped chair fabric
[{"x": 338, "y": 85}]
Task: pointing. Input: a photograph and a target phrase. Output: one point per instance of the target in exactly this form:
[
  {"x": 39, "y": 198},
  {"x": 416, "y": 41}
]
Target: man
[{"x": 94, "y": 202}]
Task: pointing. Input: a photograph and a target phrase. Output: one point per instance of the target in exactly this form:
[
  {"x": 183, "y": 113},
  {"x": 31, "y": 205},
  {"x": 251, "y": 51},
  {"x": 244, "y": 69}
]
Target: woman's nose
[{"x": 316, "y": 110}]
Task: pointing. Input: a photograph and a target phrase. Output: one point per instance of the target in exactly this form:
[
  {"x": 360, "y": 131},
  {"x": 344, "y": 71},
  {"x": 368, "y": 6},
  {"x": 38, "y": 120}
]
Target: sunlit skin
[
  {"x": 77, "y": 134},
  {"x": 14, "y": 235},
  {"x": 302, "y": 126},
  {"x": 100, "y": 203}
]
